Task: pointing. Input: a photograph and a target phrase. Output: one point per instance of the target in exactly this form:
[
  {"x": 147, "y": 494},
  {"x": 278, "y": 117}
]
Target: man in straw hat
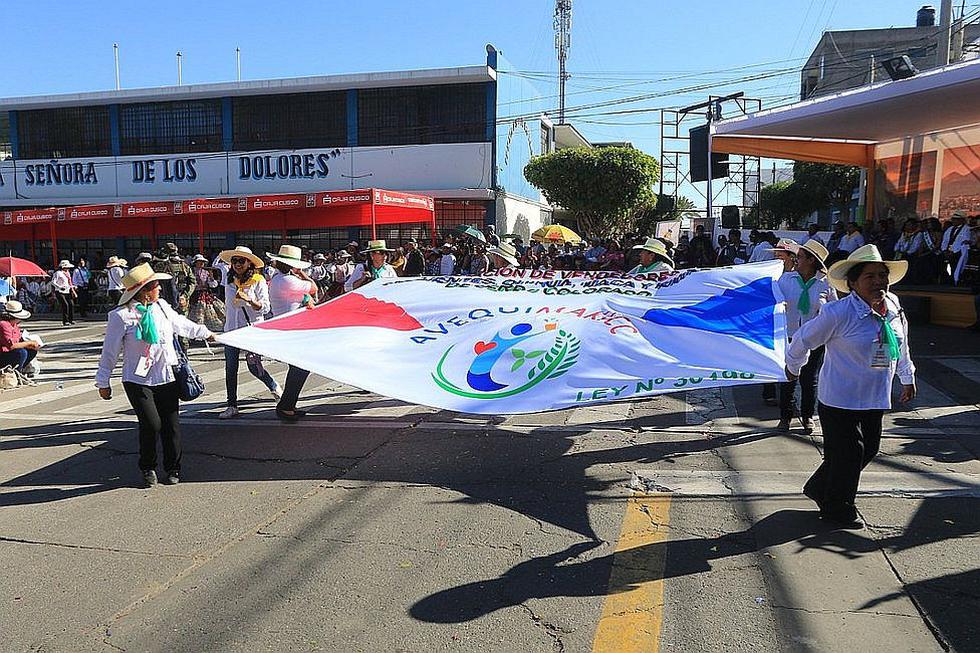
[
  {"x": 64, "y": 291},
  {"x": 143, "y": 330},
  {"x": 288, "y": 291},
  {"x": 115, "y": 269},
  {"x": 654, "y": 257},
  {"x": 375, "y": 267},
  {"x": 806, "y": 290},
  {"x": 865, "y": 336}
]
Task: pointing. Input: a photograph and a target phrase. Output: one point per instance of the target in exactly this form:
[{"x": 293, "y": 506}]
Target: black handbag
[{"x": 190, "y": 385}]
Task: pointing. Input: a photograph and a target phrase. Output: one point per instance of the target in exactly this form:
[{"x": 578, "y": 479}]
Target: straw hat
[
  {"x": 15, "y": 309},
  {"x": 198, "y": 257},
  {"x": 655, "y": 245},
  {"x": 321, "y": 257},
  {"x": 818, "y": 250},
  {"x": 243, "y": 252},
  {"x": 138, "y": 277},
  {"x": 837, "y": 275},
  {"x": 786, "y": 245},
  {"x": 65, "y": 264},
  {"x": 377, "y": 246},
  {"x": 144, "y": 256},
  {"x": 505, "y": 251},
  {"x": 343, "y": 254},
  {"x": 290, "y": 255},
  {"x": 115, "y": 262}
]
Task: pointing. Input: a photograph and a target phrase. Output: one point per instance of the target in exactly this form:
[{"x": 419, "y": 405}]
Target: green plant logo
[{"x": 541, "y": 364}]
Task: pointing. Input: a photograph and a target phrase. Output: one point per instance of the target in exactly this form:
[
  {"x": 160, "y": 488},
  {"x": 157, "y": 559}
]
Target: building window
[
  {"x": 170, "y": 127},
  {"x": 68, "y": 132},
  {"x": 453, "y": 214},
  {"x": 449, "y": 113},
  {"x": 293, "y": 121}
]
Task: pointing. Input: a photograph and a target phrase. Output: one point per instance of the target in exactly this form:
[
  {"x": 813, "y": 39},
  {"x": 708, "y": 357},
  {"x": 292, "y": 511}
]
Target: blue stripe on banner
[{"x": 746, "y": 312}]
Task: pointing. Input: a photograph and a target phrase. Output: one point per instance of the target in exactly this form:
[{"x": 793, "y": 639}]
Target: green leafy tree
[
  {"x": 784, "y": 201},
  {"x": 601, "y": 187},
  {"x": 827, "y": 185},
  {"x": 664, "y": 210}
]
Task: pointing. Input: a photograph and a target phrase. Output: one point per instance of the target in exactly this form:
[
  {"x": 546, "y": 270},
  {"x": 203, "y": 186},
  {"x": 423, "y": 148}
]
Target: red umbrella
[{"x": 11, "y": 266}]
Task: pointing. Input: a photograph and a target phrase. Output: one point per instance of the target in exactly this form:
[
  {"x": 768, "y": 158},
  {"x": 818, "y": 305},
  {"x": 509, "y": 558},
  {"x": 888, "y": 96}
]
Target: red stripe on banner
[{"x": 351, "y": 310}]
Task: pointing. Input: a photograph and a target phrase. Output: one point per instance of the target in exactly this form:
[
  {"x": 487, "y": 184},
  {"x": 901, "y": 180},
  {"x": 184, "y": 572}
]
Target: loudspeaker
[
  {"x": 699, "y": 157},
  {"x": 899, "y": 67},
  {"x": 729, "y": 217}
]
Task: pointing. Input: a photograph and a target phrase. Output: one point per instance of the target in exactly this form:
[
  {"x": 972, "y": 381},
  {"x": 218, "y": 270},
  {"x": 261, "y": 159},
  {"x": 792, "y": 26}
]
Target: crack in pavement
[
  {"x": 875, "y": 613},
  {"x": 553, "y": 631},
  {"x": 103, "y": 549},
  {"x": 513, "y": 548}
]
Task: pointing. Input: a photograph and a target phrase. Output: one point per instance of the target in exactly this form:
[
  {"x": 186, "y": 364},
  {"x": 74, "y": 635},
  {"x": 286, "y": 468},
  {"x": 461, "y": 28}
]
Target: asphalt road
[{"x": 673, "y": 523}]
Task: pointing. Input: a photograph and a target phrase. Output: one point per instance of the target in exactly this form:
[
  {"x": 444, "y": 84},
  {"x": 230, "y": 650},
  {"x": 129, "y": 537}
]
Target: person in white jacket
[
  {"x": 246, "y": 303},
  {"x": 866, "y": 344},
  {"x": 143, "y": 329}
]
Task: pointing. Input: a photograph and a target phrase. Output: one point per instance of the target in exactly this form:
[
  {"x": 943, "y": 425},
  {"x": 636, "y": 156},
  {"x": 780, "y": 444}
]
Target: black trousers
[
  {"x": 808, "y": 388},
  {"x": 850, "y": 441},
  {"x": 157, "y": 409},
  {"x": 83, "y": 301},
  {"x": 67, "y": 307},
  {"x": 295, "y": 378}
]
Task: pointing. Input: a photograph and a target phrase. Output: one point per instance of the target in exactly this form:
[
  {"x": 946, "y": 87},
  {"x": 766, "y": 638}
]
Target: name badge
[
  {"x": 143, "y": 366},
  {"x": 879, "y": 356}
]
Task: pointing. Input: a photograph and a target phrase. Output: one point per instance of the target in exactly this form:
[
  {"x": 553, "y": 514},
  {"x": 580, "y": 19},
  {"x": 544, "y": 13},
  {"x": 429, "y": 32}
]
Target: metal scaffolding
[{"x": 675, "y": 159}]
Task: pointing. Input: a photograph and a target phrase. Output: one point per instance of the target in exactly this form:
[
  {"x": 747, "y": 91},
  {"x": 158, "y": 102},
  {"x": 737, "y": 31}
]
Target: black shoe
[
  {"x": 149, "y": 477},
  {"x": 783, "y": 425},
  {"x": 807, "y": 425},
  {"x": 845, "y": 517},
  {"x": 292, "y": 416},
  {"x": 172, "y": 478}
]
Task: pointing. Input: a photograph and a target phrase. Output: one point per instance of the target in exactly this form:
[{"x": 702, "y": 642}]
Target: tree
[
  {"x": 664, "y": 209},
  {"x": 601, "y": 187},
  {"x": 782, "y": 201},
  {"x": 827, "y": 185}
]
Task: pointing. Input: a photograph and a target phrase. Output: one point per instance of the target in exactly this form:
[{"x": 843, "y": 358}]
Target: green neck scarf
[
  {"x": 146, "y": 328},
  {"x": 887, "y": 335},
  {"x": 803, "y": 304},
  {"x": 375, "y": 272},
  {"x": 648, "y": 268}
]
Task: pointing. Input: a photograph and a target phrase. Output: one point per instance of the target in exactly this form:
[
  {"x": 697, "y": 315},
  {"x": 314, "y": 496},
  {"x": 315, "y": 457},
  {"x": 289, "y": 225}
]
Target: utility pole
[
  {"x": 563, "y": 41},
  {"x": 238, "y": 62},
  {"x": 115, "y": 56},
  {"x": 945, "y": 31},
  {"x": 179, "y": 75}
]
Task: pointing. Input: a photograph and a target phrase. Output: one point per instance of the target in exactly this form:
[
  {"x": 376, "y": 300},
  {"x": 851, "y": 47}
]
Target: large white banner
[
  {"x": 530, "y": 341},
  {"x": 98, "y": 180}
]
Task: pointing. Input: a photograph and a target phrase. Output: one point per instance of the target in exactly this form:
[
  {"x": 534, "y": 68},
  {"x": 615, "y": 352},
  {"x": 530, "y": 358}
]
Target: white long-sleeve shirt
[
  {"x": 386, "y": 272},
  {"x": 120, "y": 336},
  {"x": 820, "y": 293},
  {"x": 851, "y": 242},
  {"x": 909, "y": 245},
  {"x": 115, "y": 275},
  {"x": 851, "y": 335},
  {"x": 257, "y": 292},
  {"x": 61, "y": 281},
  {"x": 954, "y": 237}
]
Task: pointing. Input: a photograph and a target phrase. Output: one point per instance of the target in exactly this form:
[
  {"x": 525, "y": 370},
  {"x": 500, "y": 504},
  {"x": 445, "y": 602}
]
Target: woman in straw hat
[
  {"x": 375, "y": 267},
  {"x": 503, "y": 255},
  {"x": 14, "y": 349},
  {"x": 143, "y": 328},
  {"x": 866, "y": 341},
  {"x": 654, "y": 257},
  {"x": 806, "y": 290},
  {"x": 246, "y": 302},
  {"x": 64, "y": 291},
  {"x": 205, "y": 307},
  {"x": 288, "y": 291}
]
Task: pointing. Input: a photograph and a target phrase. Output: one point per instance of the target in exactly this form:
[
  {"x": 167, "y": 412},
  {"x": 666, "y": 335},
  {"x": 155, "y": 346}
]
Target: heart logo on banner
[{"x": 481, "y": 347}]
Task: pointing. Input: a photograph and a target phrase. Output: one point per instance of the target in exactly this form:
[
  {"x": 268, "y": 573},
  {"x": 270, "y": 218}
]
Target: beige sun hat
[
  {"x": 818, "y": 250},
  {"x": 65, "y": 264},
  {"x": 505, "y": 251},
  {"x": 14, "y": 309},
  {"x": 138, "y": 277},
  {"x": 115, "y": 261},
  {"x": 242, "y": 251},
  {"x": 837, "y": 275},
  {"x": 377, "y": 246},
  {"x": 655, "y": 245},
  {"x": 785, "y": 245},
  {"x": 290, "y": 255}
]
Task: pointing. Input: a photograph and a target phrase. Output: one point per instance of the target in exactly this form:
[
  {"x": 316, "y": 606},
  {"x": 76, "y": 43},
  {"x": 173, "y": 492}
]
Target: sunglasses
[{"x": 235, "y": 260}]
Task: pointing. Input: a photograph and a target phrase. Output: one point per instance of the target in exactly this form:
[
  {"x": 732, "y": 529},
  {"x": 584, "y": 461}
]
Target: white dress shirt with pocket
[
  {"x": 853, "y": 376},
  {"x": 120, "y": 336},
  {"x": 820, "y": 293}
]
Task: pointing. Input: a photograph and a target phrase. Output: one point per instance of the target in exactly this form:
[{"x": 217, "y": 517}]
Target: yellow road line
[{"x": 633, "y": 612}]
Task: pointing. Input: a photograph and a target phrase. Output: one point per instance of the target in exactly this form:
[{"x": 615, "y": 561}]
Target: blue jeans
[
  {"x": 231, "y": 375},
  {"x": 19, "y": 358}
]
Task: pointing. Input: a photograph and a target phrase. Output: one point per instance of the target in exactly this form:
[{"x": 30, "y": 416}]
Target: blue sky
[{"x": 59, "y": 47}]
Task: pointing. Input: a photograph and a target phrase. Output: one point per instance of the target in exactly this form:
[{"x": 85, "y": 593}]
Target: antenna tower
[{"x": 563, "y": 40}]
